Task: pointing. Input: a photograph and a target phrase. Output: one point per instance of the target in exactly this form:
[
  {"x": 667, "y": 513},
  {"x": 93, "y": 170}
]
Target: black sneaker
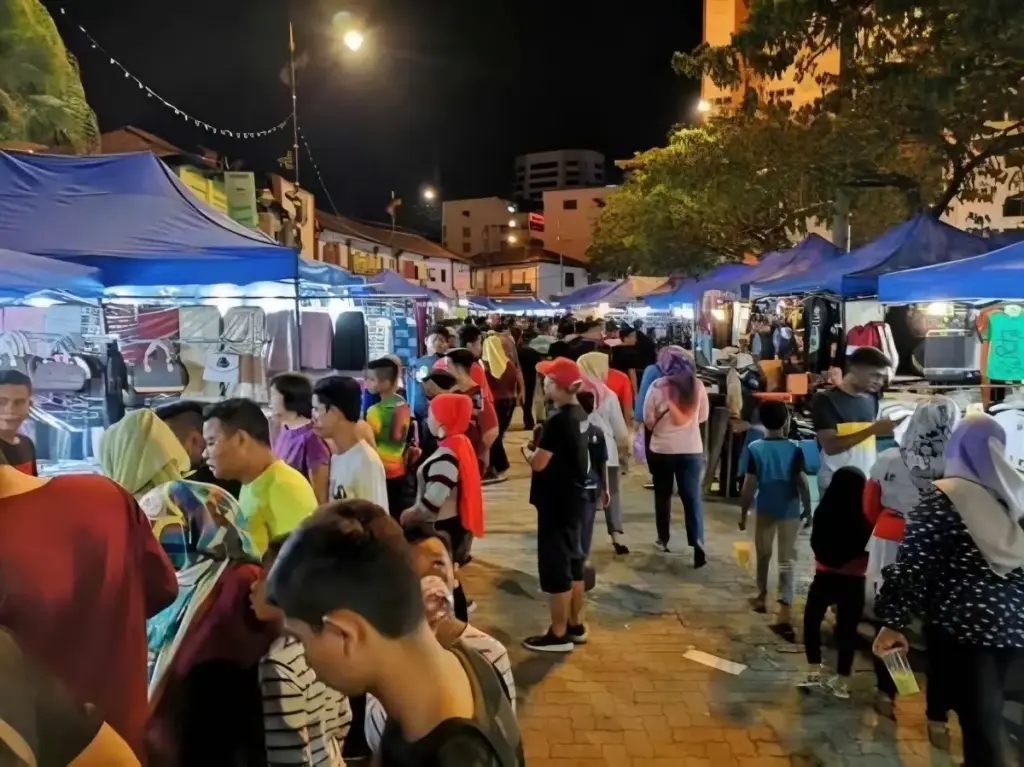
[
  {"x": 549, "y": 643},
  {"x": 577, "y": 634},
  {"x": 699, "y": 557}
]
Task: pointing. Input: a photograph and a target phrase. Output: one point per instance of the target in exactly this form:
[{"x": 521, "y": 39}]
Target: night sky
[{"x": 444, "y": 92}]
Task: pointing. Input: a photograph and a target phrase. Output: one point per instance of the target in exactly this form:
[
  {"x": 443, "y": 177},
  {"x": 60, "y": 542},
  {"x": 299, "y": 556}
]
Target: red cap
[{"x": 563, "y": 371}]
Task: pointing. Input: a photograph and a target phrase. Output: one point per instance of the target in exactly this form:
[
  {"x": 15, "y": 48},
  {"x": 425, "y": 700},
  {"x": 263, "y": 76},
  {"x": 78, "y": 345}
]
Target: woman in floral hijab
[{"x": 902, "y": 476}]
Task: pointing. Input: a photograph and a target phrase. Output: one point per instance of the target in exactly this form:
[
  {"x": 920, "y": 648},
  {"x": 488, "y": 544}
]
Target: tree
[
  {"x": 918, "y": 115},
  {"x": 41, "y": 96},
  {"x": 942, "y": 78}
]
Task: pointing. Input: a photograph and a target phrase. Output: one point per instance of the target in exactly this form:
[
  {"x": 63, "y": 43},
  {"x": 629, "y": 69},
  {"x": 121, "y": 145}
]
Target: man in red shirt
[
  {"x": 80, "y": 572},
  {"x": 15, "y": 399}
]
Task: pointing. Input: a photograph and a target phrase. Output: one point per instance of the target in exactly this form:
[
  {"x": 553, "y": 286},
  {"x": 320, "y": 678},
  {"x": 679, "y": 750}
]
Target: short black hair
[
  {"x": 586, "y": 326},
  {"x": 462, "y": 358},
  {"x": 240, "y": 414},
  {"x": 15, "y": 378},
  {"x": 439, "y": 330},
  {"x": 868, "y": 357},
  {"x": 350, "y": 555},
  {"x": 442, "y": 379},
  {"x": 469, "y": 334},
  {"x": 586, "y": 400},
  {"x": 773, "y": 415},
  {"x": 385, "y": 368},
  {"x": 566, "y": 328},
  {"x": 581, "y": 327},
  {"x": 342, "y": 393},
  {"x": 418, "y": 532},
  {"x": 296, "y": 391},
  {"x": 625, "y": 332}
]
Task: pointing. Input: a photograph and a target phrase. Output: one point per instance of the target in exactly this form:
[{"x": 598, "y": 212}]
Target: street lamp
[
  {"x": 512, "y": 223},
  {"x": 353, "y": 40},
  {"x": 512, "y": 239},
  {"x": 703, "y": 106},
  {"x": 429, "y": 193}
]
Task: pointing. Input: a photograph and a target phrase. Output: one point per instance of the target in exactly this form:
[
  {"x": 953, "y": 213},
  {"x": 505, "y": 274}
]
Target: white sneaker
[
  {"x": 661, "y": 546},
  {"x": 814, "y": 679},
  {"x": 837, "y": 687}
]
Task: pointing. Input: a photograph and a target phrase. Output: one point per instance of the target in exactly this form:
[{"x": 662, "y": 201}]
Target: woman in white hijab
[
  {"x": 902, "y": 476},
  {"x": 961, "y": 568}
]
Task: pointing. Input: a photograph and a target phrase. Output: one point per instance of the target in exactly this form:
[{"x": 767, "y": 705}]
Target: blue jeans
[{"x": 685, "y": 469}]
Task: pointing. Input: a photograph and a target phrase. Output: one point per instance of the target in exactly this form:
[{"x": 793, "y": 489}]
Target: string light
[
  {"x": 316, "y": 169},
  {"x": 195, "y": 121}
]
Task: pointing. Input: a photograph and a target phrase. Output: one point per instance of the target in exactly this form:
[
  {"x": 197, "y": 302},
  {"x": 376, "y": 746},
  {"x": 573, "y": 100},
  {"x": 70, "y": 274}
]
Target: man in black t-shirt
[
  {"x": 560, "y": 464},
  {"x": 349, "y": 592},
  {"x": 15, "y": 400}
]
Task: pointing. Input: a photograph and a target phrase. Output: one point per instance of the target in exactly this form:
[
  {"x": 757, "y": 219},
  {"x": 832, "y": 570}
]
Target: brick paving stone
[{"x": 629, "y": 698}]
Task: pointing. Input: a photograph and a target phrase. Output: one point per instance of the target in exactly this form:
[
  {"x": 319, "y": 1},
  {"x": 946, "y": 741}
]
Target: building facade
[
  {"x": 569, "y": 219},
  {"x": 541, "y": 172},
  {"x": 482, "y": 224},
  {"x": 532, "y": 271},
  {"x": 367, "y": 249}
]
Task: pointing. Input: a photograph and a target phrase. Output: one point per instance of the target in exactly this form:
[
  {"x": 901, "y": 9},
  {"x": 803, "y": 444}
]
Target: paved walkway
[{"x": 629, "y": 697}]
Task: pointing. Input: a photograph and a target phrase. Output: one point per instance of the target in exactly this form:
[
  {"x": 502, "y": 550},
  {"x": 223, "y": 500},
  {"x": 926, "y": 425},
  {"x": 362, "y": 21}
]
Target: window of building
[
  {"x": 543, "y": 165},
  {"x": 465, "y": 213},
  {"x": 570, "y": 280},
  {"x": 568, "y": 204},
  {"x": 465, "y": 231},
  {"x": 599, "y": 202},
  {"x": 444, "y": 275},
  {"x": 1013, "y": 207},
  {"x": 465, "y": 247}
]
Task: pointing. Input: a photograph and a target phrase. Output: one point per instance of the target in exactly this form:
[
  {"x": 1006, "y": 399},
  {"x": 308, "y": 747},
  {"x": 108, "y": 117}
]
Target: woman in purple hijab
[{"x": 961, "y": 568}]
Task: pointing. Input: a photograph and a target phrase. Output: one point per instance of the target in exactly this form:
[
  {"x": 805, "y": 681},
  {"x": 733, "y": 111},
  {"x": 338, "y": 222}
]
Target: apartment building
[
  {"x": 541, "y": 172},
  {"x": 527, "y": 271},
  {"x": 569, "y": 219},
  {"x": 482, "y": 224}
]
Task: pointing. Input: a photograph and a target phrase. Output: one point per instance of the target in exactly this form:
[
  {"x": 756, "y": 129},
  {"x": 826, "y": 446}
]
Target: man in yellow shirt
[{"x": 275, "y": 498}]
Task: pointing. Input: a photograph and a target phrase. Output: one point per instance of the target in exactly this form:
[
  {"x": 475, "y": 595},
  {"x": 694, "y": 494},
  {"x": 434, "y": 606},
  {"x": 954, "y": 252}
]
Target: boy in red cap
[{"x": 560, "y": 464}]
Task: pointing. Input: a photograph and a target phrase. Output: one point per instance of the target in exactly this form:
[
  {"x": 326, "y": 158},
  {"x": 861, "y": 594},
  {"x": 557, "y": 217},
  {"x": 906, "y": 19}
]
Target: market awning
[
  {"x": 588, "y": 294},
  {"x": 130, "y": 217},
  {"x": 23, "y": 275},
  {"x": 995, "y": 276},
  {"x": 921, "y": 241},
  {"x": 812, "y": 251},
  {"x": 727, "y": 278},
  {"x": 388, "y": 283},
  {"x": 520, "y": 304}
]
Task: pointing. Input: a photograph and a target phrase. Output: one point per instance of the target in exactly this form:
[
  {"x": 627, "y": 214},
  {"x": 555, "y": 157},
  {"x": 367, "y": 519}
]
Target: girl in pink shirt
[{"x": 674, "y": 408}]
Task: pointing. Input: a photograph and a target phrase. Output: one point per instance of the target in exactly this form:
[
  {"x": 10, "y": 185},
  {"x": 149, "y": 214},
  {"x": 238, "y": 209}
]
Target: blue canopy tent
[
  {"x": 995, "y": 276},
  {"x": 588, "y": 294},
  {"x": 520, "y": 304},
  {"x": 388, "y": 283},
  {"x": 23, "y": 275},
  {"x": 727, "y": 278},
  {"x": 132, "y": 219},
  {"x": 921, "y": 241},
  {"x": 810, "y": 252}
]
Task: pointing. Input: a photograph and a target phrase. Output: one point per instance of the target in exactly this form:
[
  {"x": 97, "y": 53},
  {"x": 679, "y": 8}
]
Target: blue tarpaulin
[
  {"x": 727, "y": 278},
  {"x": 391, "y": 283},
  {"x": 520, "y": 304},
  {"x": 589, "y": 294},
  {"x": 811, "y": 252},
  {"x": 22, "y": 275},
  {"x": 995, "y": 276},
  {"x": 921, "y": 241},
  {"x": 130, "y": 217}
]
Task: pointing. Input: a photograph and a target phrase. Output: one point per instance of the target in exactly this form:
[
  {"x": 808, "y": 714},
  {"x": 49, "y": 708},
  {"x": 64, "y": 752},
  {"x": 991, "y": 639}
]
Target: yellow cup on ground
[{"x": 743, "y": 551}]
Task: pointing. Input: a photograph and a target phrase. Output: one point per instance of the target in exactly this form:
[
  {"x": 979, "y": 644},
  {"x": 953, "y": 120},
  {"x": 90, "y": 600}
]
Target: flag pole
[{"x": 295, "y": 116}]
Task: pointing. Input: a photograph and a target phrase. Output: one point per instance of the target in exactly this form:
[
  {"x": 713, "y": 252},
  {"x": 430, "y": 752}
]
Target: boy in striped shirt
[{"x": 304, "y": 721}]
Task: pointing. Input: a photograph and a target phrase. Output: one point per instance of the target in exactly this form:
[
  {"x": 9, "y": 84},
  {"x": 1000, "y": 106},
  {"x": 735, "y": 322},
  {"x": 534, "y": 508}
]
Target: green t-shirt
[
  {"x": 275, "y": 503},
  {"x": 1006, "y": 347}
]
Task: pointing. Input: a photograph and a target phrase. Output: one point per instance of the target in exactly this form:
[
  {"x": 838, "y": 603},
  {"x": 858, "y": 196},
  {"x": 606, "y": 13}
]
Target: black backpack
[{"x": 495, "y": 723}]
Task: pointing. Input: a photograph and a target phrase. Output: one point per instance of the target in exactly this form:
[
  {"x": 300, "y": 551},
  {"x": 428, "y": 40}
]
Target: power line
[
  {"x": 150, "y": 93},
  {"x": 316, "y": 169}
]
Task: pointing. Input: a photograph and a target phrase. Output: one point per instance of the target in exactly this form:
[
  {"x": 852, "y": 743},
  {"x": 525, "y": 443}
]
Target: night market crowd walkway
[{"x": 629, "y": 697}]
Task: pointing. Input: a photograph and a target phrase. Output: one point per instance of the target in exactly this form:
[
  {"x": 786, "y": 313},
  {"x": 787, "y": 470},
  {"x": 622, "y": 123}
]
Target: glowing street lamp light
[
  {"x": 511, "y": 208},
  {"x": 353, "y": 40},
  {"x": 513, "y": 239},
  {"x": 512, "y": 223},
  {"x": 703, "y": 106},
  {"x": 429, "y": 193}
]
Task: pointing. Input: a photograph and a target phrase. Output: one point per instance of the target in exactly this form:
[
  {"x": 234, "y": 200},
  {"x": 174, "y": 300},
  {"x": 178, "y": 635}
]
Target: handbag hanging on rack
[
  {"x": 58, "y": 374},
  {"x": 159, "y": 372}
]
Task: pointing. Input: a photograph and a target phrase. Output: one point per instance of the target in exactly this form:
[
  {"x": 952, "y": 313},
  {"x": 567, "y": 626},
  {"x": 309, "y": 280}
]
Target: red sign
[{"x": 535, "y": 221}]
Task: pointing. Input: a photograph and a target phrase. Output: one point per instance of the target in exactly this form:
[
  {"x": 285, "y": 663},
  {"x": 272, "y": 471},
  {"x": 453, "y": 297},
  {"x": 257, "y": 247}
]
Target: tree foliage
[
  {"x": 41, "y": 96},
  {"x": 926, "y": 108}
]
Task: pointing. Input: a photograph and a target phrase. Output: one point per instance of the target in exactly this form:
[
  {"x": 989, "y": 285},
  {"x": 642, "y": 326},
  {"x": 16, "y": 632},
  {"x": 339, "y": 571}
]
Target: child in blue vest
[{"x": 776, "y": 486}]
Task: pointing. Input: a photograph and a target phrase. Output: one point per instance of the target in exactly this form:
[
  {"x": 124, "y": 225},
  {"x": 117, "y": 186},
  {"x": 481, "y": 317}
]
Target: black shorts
[{"x": 559, "y": 549}]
